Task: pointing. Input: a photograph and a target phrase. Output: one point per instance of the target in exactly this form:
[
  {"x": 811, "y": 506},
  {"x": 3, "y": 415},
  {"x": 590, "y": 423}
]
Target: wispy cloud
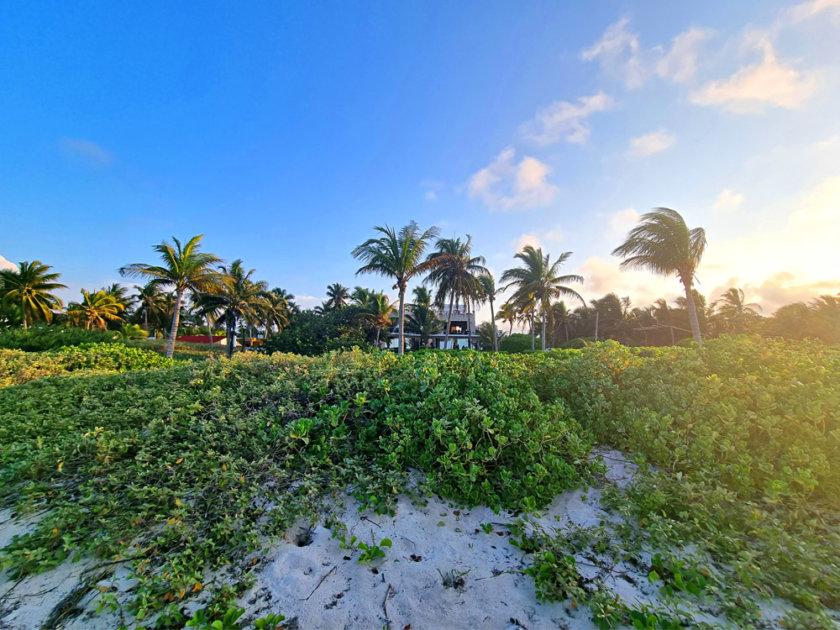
[
  {"x": 566, "y": 121},
  {"x": 86, "y": 150},
  {"x": 621, "y": 55},
  {"x": 650, "y": 143},
  {"x": 755, "y": 87},
  {"x": 508, "y": 185},
  {"x": 728, "y": 200}
]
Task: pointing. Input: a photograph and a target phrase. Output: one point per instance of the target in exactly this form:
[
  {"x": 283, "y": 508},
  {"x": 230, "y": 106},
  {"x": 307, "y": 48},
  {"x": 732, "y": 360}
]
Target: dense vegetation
[{"x": 180, "y": 470}]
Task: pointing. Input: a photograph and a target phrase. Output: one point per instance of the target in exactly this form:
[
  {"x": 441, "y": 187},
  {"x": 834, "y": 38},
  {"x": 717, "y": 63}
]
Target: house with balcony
[{"x": 462, "y": 331}]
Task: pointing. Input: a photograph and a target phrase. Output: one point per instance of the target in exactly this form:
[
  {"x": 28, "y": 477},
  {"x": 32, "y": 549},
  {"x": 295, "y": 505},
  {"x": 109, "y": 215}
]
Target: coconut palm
[
  {"x": 184, "y": 268},
  {"x": 488, "y": 286},
  {"x": 509, "y": 314},
  {"x": 377, "y": 313},
  {"x": 537, "y": 282},
  {"x": 734, "y": 309},
  {"x": 663, "y": 244},
  {"x": 455, "y": 275},
  {"x": 96, "y": 309},
  {"x": 337, "y": 296},
  {"x": 150, "y": 302},
  {"x": 422, "y": 297},
  {"x": 397, "y": 255},
  {"x": 30, "y": 288},
  {"x": 422, "y": 320},
  {"x": 561, "y": 317},
  {"x": 239, "y": 298},
  {"x": 277, "y": 311}
]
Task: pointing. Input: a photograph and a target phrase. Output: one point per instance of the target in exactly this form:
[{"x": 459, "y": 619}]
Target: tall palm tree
[
  {"x": 239, "y": 298},
  {"x": 537, "y": 282},
  {"x": 664, "y": 244},
  {"x": 735, "y": 310},
  {"x": 455, "y": 275},
  {"x": 488, "y": 286},
  {"x": 397, "y": 255},
  {"x": 184, "y": 268},
  {"x": 337, "y": 296},
  {"x": 29, "y": 288},
  {"x": 509, "y": 314},
  {"x": 561, "y": 316},
  {"x": 96, "y": 309}
]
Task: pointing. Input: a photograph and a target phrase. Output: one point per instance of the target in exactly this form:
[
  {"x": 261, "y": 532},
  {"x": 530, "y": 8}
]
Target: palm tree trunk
[
  {"x": 209, "y": 331},
  {"x": 231, "y": 329},
  {"x": 469, "y": 328},
  {"x": 173, "y": 331},
  {"x": 23, "y": 311},
  {"x": 146, "y": 318},
  {"x": 449, "y": 320},
  {"x": 533, "y": 331},
  {"x": 566, "y": 328},
  {"x": 493, "y": 321},
  {"x": 378, "y": 329},
  {"x": 692, "y": 314},
  {"x": 543, "y": 330},
  {"x": 402, "y": 316}
]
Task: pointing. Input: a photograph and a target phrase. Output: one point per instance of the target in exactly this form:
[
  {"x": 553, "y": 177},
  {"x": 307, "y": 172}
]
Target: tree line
[{"x": 201, "y": 289}]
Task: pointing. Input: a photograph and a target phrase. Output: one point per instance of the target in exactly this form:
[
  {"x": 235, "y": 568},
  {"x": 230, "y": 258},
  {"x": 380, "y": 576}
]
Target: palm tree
[
  {"x": 561, "y": 316},
  {"x": 664, "y": 244},
  {"x": 735, "y": 311},
  {"x": 239, "y": 298},
  {"x": 422, "y": 320},
  {"x": 378, "y": 311},
  {"x": 96, "y": 309},
  {"x": 29, "y": 288},
  {"x": 537, "y": 283},
  {"x": 151, "y": 303},
  {"x": 277, "y": 310},
  {"x": 509, "y": 314},
  {"x": 397, "y": 255},
  {"x": 488, "y": 286},
  {"x": 337, "y": 296},
  {"x": 422, "y": 297},
  {"x": 455, "y": 275},
  {"x": 184, "y": 268}
]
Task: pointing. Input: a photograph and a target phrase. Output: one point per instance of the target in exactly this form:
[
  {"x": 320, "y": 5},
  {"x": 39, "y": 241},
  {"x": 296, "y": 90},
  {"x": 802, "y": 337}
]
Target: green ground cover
[{"x": 179, "y": 470}]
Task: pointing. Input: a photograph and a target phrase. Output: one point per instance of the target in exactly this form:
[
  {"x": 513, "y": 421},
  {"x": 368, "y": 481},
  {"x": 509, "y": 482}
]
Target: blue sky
[{"x": 284, "y": 131}]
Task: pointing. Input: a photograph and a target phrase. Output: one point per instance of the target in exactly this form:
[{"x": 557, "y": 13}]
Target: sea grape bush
[
  {"x": 48, "y": 337},
  {"x": 183, "y": 469},
  {"x": 17, "y": 366}
]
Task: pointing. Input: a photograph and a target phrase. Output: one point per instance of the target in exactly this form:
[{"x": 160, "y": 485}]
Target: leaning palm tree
[
  {"x": 455, "y": 275},
  {"x": 537, "y": 282},
  {"x": 488, "y": 286},
  {"x": 397, "y": 255},
  {"x": 96, "y": 309},
  {"x": 184, "y": 268},
  {"x": 735, "y": 310},
  {"x": 239, "y": 298},
  {"x": 30, "y": 288},
  {"x": 337, "y": 296},
  {"x": 664, "y": 244}
]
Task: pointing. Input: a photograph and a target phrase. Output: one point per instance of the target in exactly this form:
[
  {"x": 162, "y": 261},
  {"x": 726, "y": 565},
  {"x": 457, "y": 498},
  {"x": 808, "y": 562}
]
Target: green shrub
[
  {"x": 17, "y": 366},
  {"x": 517, "y": 342},
  {"x": 45, "y": 337}
]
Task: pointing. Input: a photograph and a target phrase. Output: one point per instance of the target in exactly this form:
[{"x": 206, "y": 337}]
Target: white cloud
[
  {"x": 650, "y": 143},
  {"x": 554, "y": 236},
  {"x": 620, "y": 54},
  {"x": 526, "y": 239},
  {"x": 87, "y": 150},
  {"x": 430, "y": 195},
  {"x": 622, "y": 221},
  {"x": 680, "y": 63},
  {"x": 728, "y": 200},
  {"x": 506, "y": 185},
  {"x": 6, "y": 264},
  {"x": 807, "y": 10},
  {"x": 566, "y": 121},
  {"x": 752, "y": 88}
]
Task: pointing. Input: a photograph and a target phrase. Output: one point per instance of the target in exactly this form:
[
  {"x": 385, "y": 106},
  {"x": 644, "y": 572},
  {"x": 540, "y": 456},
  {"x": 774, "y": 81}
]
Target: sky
[{"x": 285, "y": 131}]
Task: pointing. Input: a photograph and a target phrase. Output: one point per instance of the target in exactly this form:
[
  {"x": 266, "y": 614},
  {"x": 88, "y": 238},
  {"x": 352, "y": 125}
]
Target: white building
[{"x": 462, "y": 331}]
